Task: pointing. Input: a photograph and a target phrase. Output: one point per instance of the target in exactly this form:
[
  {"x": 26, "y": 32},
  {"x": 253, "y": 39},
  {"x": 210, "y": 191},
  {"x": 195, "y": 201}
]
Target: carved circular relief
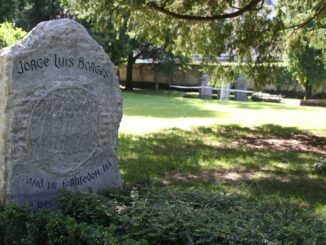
[{"x": 64, "y": 130}]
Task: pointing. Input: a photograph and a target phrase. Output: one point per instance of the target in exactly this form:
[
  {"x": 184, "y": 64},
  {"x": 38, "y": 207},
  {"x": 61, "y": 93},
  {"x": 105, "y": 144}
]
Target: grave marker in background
[
  {"x": 206, "y": 91},
  {"x": 241, "y": 84},
  {"x": 60, "y": 109}
]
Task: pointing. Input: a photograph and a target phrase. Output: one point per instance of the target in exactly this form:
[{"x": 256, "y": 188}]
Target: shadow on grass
[
  {"x": 234, "y": 131},
  {"x": 311, "y": 191},
  {"x": 208, "y": 154},
  {"x": 163, "y": 106}
]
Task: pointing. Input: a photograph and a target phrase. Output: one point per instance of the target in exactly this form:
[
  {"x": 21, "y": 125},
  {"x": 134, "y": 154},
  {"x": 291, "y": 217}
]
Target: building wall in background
[{"x": 149, "y": 74}]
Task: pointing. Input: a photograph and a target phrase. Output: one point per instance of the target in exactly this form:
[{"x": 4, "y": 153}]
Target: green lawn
[
  {"x": 263, "y": 151},
  {"x": 149, "y": 112}
]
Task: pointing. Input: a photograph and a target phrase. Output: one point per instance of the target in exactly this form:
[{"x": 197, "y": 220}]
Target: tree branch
[
  {"x": 319, "y": 10},
  {"x": 166, "y": 1},
  {"x": 249, "y": 7}
]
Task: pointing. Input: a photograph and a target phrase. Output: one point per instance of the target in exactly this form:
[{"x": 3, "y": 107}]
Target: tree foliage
[
  {"x": 305, "y": 63},
  {"x": 31, "y": 12},
  {"x": 250, "y": 32},
  {"x": 306, "y": 45},
  {"x": 7, "y": 10},
  {"x": 9, "y": 34},
  {"x": 246, "y": 35}
]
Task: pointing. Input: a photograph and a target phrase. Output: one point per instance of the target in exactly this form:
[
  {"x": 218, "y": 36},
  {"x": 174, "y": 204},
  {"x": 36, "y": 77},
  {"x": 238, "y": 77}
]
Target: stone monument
[
  {"x": 205, "y": 92},
  {"x": 60, "y": 109},
  {"x": 241, "y": 84}
]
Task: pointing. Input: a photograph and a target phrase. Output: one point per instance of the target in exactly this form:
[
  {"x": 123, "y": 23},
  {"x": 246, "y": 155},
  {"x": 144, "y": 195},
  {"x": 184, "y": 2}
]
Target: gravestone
[
  {"x": 60, "y": 109},
  {"x": 225, "y": 92},
  {"x": 241, "y": 84},
  {"x": 206, "y": 91}
]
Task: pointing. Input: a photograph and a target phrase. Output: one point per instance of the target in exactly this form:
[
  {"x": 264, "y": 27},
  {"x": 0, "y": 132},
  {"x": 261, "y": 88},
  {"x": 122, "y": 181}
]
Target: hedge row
[
  {"x": 313, "y": 103},
  {"x": 161, "y": 215},
  {"x": 170, "y": 215},
  {"x": 20, "y": 226}
]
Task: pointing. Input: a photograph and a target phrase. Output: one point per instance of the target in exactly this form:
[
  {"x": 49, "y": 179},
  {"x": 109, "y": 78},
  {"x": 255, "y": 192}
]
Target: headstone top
[{"x": 53, "y": 32}]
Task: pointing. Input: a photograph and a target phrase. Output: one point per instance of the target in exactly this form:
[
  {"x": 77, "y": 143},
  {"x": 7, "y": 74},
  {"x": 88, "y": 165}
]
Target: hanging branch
[
  {"x": 319, "y": 10},
  {"x": 249, "y": 7}
]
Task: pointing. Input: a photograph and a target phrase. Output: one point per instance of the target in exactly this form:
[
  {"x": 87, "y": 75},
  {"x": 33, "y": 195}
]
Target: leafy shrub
[
  {"x": 321, "y": 95},
  {"x": 20, "y": 226},
  {"x": 91, "y": 208},
  {"x": 10, "y": 34},
  {"x": 12, "y": 224},
  {"x": 313, "y": 103},
  {"x": 320, "y": 166},
  {"x": 161, "y": 215},
  {"x": 195, "y": 216}
]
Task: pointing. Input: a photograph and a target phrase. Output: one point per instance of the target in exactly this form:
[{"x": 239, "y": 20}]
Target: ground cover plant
[
  {"x": 20, "y": 226},
  {"x": 207, "y": 172},
  {"x": 187, "y": 215}
]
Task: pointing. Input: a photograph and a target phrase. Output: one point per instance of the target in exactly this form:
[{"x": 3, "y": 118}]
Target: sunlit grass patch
[{"x": 150, "y": 112}]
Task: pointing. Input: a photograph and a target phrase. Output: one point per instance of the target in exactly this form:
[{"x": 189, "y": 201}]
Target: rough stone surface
[
  {"x": 241, "y": 84},
  {"x": 60, "y": 109},
  {"x": 207, "y": 91}
]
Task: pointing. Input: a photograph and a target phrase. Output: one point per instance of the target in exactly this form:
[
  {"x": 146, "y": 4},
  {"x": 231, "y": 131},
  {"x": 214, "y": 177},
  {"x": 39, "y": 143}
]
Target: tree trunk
[
  {"x": 308, "y": 91},
  {"x": 129, "y": 84},
  {"x": 157, "y": 86}
]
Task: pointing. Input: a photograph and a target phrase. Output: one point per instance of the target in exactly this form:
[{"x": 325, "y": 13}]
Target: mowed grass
[
  {"x": 262, "y": 151},
  {"x": 149, "y": 111}
]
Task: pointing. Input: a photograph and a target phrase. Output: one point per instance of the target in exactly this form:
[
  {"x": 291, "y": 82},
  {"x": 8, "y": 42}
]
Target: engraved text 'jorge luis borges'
[{"x": 57, "y": 61}]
